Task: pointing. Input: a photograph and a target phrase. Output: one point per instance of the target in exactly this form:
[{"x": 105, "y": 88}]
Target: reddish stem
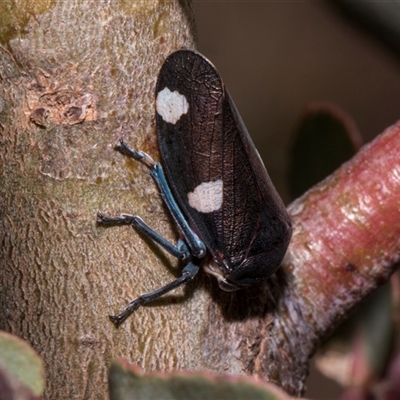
[{"x": 346, "y": 238}]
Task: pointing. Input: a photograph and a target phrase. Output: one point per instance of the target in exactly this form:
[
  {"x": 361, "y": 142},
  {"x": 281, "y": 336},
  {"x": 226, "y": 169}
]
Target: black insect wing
[{"x": 216, "y": 174}]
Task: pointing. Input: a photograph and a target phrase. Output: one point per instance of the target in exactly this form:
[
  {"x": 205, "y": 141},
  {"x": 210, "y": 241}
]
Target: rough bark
[{"x": 76, "y": 76}]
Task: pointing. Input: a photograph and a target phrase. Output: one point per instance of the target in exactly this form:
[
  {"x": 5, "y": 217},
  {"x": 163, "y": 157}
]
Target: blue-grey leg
[
  {"x": 180, "y": 251},
  {"x": 188, "y": 274},
  {"x": 196, "y": 246},
  {"x": 188, "y": 247}
]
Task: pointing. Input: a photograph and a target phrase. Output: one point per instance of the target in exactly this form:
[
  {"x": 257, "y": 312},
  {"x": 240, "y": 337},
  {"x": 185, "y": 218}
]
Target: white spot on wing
[
  {"x": 171, "y": 105},
  {"x": 207, "y": 197}
]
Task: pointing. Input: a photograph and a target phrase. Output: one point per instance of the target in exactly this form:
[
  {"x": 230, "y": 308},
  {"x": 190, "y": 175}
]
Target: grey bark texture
[{"x": 74, "y": 77}]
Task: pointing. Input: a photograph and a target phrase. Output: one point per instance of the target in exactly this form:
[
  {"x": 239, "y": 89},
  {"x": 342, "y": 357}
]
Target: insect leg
[
  {"x": 188, "y": 274},
  {"x": 180, "y": 251},
  {"x": 196, "y": 246}
]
